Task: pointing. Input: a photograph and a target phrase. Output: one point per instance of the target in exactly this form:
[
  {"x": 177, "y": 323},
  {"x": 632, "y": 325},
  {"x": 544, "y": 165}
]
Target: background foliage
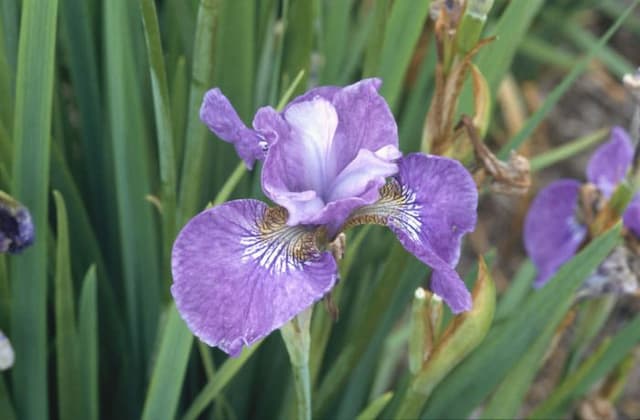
[{"x": 100, "y": 137}]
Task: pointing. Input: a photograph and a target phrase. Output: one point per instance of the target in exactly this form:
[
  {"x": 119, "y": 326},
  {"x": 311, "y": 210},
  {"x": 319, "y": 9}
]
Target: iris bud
[{"x": 16, "y": 226}]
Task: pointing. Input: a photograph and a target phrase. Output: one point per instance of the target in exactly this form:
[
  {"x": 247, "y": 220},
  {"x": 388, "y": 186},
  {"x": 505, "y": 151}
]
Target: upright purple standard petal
[
  {"x": 609, "y": 163},
  {"x": 339, "y": 148},
  {"x": 552, "y": 233},
  {"x": 239, "y": 273},
  {"x": 221, "y": 118},
  {"x": 430, "y": 206}
]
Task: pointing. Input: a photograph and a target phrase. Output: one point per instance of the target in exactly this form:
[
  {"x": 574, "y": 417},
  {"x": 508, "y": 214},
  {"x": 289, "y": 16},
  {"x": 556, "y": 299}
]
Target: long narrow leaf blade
[
  {"x": 69, "y": 405},
  {"x": 566, "y": 83},
  {"x": 88, "y": 341},
  {"x": 169, "y": 369},
  {"x": 504, "y": 346},
  {"x": 32, "y": 124},
  {"x": 164, "y": 129}
]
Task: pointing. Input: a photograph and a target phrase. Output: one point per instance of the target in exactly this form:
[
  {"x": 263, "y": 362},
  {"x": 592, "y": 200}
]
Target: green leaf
[
  {"x": 164, "y": 131},
  {"x": 375, "y": 407},
  {"x": 7, "y": 412},
  {"x": 222, "y": 377},
  {"x": 568, "y": 150},
  {"x": 613, "y": 61},
  {"x": 464, "y": 333},
  {"x": 401, "y": 35},
  {"x": 179, "y": 100},
  {"x": 566, "y": 83},
  {"x": 67, "y": 358},
  {"x": 137, "y": 229},
  {"x": 411, "y": 120},
  {"x": 298, "y": 42},
  {"x": 169, "y": 368},
  {"x": 196, "y": 135},
  {"x": 78, "y": 33},
  {"x": 508, "y": 397},
  {"x": 336, "y": 19},
  {"x": 6, "y": 85},
  {"x": 518, "y": 290},
  {"x": 31, "y": 136},
  {"x": 88, "y": 342},
  {"x": 508, "y": 341},
  {"x": 602, "y": 361},
  {"x": 592, "y": 317},
  {"x": 495, "y": 60},
  {"x": 9, "y": 12},
  {"x": 378, "y": 310}
]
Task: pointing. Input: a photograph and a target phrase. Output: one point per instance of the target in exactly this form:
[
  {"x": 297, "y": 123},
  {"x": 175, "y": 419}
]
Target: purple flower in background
[
  {"x": 331, "y": 161},
  {"x": 553, "y": 232},
  {"x": 16, "y": 226}
]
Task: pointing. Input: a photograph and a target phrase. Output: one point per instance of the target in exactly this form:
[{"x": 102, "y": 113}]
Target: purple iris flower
[
  {"x": 553, "y": 232},
  {"x": 331, "y": 161}
]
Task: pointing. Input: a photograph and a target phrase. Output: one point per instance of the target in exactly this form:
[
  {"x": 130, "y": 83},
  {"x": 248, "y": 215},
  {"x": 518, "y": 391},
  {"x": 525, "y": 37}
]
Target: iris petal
[
  {"x": 631, "y": 216},
  {"x": 239, "y": 273},
  {"x": 341, "y": 143},
  {"x": 611, "y": 161},
  {"x": 223, "y": 120},
  {"x": 552, "y": 233},
  {"x": 430, "y": 205},
  {"x": 365, "y": 121}
]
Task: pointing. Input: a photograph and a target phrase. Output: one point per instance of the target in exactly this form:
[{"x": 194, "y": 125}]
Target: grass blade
[
  {"x": 222, "y": 377},
  {"x": 7, "y": 411},
  {"x": 495, "y": 59},
  {"x": 602, "y": 361},
  {"x": 520, "y": 286},
  {"x": 196, "y": 136},
  {"x": 169, "y": 368},
  {"x": 32, "y": 125},
  {"x": 77, "y": 39},
  {"x": 566, "y": 83},
  {"x": 375, "y": 408},
  {"x": 503, "y": 347},
  {"x": 508, "y": 397},
  {"x": 69, "y": 405},
  {"x": 135, "y": 218},
  {"x": 9, "y": 13},
  {"x": 336, "y": 14},
  {"x": 298, "y": 42},
  {"x": 6, "y": 86},
  {"x": 400, "y": 37},
  {"x": 164, "y": 128},
  {"x": 88, "y": 342},
  {"x": 568, "y": 150}
]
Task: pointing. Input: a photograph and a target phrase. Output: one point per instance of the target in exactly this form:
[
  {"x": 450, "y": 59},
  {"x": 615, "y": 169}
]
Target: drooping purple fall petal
[
  {"x": 223, "y": 120},
  {"x": 611, "y": 161},
  {"x": 340, "y": 147},
  {"x": 552, "y": 233},
  {"x": 240, "y": 272},
  {"x": 430, "y": 206}
]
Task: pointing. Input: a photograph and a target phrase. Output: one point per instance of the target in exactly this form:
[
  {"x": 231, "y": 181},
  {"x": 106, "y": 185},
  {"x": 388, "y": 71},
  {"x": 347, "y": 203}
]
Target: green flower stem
[
  {"x": 302, "y": 383},
  {"x": 297, "y": 339},
  {"x": 230, "y": 184}
]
